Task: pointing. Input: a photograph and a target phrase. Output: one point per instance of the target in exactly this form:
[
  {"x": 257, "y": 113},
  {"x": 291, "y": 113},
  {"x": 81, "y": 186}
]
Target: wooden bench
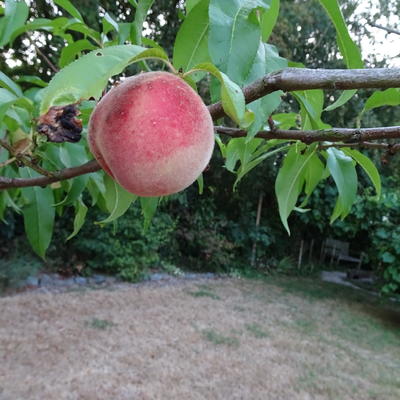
[{"x": 339, "y": 251}]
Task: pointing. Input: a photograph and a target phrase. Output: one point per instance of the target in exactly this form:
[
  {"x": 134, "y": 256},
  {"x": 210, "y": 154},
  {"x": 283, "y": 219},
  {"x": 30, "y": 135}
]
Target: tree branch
[
  {"x": 291, "y": 79},
  {"x": 385, "y": 28},
  {"x": 323, "y": 135},
  {"x": 67, "y": 173},
  {"x": 391, "y": 148}
]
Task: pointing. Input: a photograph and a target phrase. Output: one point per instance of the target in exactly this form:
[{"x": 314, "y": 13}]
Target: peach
[{"x": 152, "y": 133}]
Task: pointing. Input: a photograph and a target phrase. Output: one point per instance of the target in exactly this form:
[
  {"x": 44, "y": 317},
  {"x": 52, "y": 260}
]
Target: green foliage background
[{"x": 215, "y": 231}]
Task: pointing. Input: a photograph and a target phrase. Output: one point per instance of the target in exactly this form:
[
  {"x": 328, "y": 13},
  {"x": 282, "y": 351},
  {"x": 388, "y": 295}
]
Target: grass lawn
[{"x": 283, "y": 338}]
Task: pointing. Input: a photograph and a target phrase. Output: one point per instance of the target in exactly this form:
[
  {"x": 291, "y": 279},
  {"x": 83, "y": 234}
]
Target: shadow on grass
[{"x": 313, "y": 289}]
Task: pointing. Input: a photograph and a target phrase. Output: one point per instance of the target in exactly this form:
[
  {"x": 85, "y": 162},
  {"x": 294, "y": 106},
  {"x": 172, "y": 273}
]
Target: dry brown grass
[{"x": 223, "y": 339}]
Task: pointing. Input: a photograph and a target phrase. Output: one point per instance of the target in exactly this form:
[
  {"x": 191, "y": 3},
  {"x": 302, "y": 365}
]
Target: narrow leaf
[
  {"x": 69, "y": 7},
  {"x": 313, "y": 175},
  {"x": 117, "y": 199},
  {"x": 342, "y": 99},
  {"x": 344, "y": 174},
  {"x": 267, "y": 60},
  {"x": 38, "y": 214},
  {"x": 191, "y": 44},
  {"x": 388, "y": 97},
  {"x": 15, "y": 16},
  {"x": 368, "y": 166},
  {"x": 290, "y": 180},
  {"x": 149, "y": 207},
  {"x": 69, "y": 53},
  {"x": 142, "y": 8},
  {"x": 9, "y": 84},
  {"x": 190, "y": 4},
  {"x": 349, "y": 50},
  {"x": 200, "y": 183},
  {"x": 268, "y": 20},
  {"x": 80, "y": 215}
]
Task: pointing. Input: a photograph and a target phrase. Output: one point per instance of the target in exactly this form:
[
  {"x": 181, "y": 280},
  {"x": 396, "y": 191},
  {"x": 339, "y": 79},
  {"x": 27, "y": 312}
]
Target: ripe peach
[{"x": 152, "y": 133}]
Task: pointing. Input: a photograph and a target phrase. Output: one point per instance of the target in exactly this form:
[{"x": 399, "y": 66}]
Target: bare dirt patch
[{"x": 221, "y": 339}]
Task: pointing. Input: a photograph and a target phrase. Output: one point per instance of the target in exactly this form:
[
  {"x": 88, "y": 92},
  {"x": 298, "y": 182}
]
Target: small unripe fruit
[{"x": 152, "y": 133}]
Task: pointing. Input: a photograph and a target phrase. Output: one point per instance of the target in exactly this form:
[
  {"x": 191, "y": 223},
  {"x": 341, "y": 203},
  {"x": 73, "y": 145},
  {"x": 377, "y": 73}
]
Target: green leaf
[
  {"x": 142, "y": 8},
  {"x": 87, "y": 76},
  {"x": 349, "y": 50},
  {"x": 151, "y": 43},
  {"x": 84, "y": 29},
  {"x": 190, "y": 4},
  {"x": 9, "y": 84},
  {"x": 15, "y": 16},
  {"x": 80, "y": 215},
  {"x": 75, "y": 188},
  {"x": 69, "y": 53},
  {"x": 200, "y": 183},
  {"x": 191, "y": 44},
  {"x": 73, "y": 154},
  {"x": 118, "y": 200},
  {"x": 267, "y": 60},
  {"x": 109, "y": 24},
  {"x": 133, "y": 3},
  {"x": 234, "y": 35},
  {"x": 369, "y": 168},
  {"x": 36, "y": 24},
  {"x": 149, "y": 207},
  {"x": 34, "y": 80},
  {"x": 124, "y": 29},
  {"x": 256, "y": 159},
  {"x": 342, "y": 99},
  {"x": 311, "y": 103},
  {"x": 38, "y": 214},
  {"x": 69, "y": 7},
  {"x": 221, "y": 145},
  {"x": 7, "y": 99},
  {"x": 388, "y": 97},
  {"x": 232, "y": 96},
  {"x": 154, "y": 53},
  {"x": 285, "y": 120},
  {"x": 268, "y": 20},
  {"x": 232, "y": 153},
  {"x": 344, "y": 174},
  {"x": 388, "y": 257},
  {"x": 314, "y": 173},
  {"x": 290, "y": 180}
]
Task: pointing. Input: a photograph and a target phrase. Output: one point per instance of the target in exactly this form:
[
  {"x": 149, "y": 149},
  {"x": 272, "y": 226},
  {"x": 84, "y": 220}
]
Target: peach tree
[{"x": 46, "y": 164}]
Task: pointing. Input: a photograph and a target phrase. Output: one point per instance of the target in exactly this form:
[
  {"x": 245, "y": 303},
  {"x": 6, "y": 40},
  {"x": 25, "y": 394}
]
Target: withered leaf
[
  {"x": 22, "y": 146},
  {"x": 60, "y": 124}
]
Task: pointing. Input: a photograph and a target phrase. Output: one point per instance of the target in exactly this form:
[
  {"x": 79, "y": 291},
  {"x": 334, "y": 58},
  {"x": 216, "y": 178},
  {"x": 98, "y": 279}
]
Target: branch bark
[
  {"x": 323, "y": 135},
  {"x": 67, "y": 173},
  {"x": 289, "y": 79}
]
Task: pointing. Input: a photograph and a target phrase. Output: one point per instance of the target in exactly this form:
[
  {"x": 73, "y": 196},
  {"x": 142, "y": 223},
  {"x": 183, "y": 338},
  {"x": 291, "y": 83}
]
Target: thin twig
[
  {"x": 7, "y": 162},
  {"x": 385, "y": 28},
  {"x": 34, "y": 166},
  {"x": 393, "y": 148},
  {"x": 40, "y": 52}
]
